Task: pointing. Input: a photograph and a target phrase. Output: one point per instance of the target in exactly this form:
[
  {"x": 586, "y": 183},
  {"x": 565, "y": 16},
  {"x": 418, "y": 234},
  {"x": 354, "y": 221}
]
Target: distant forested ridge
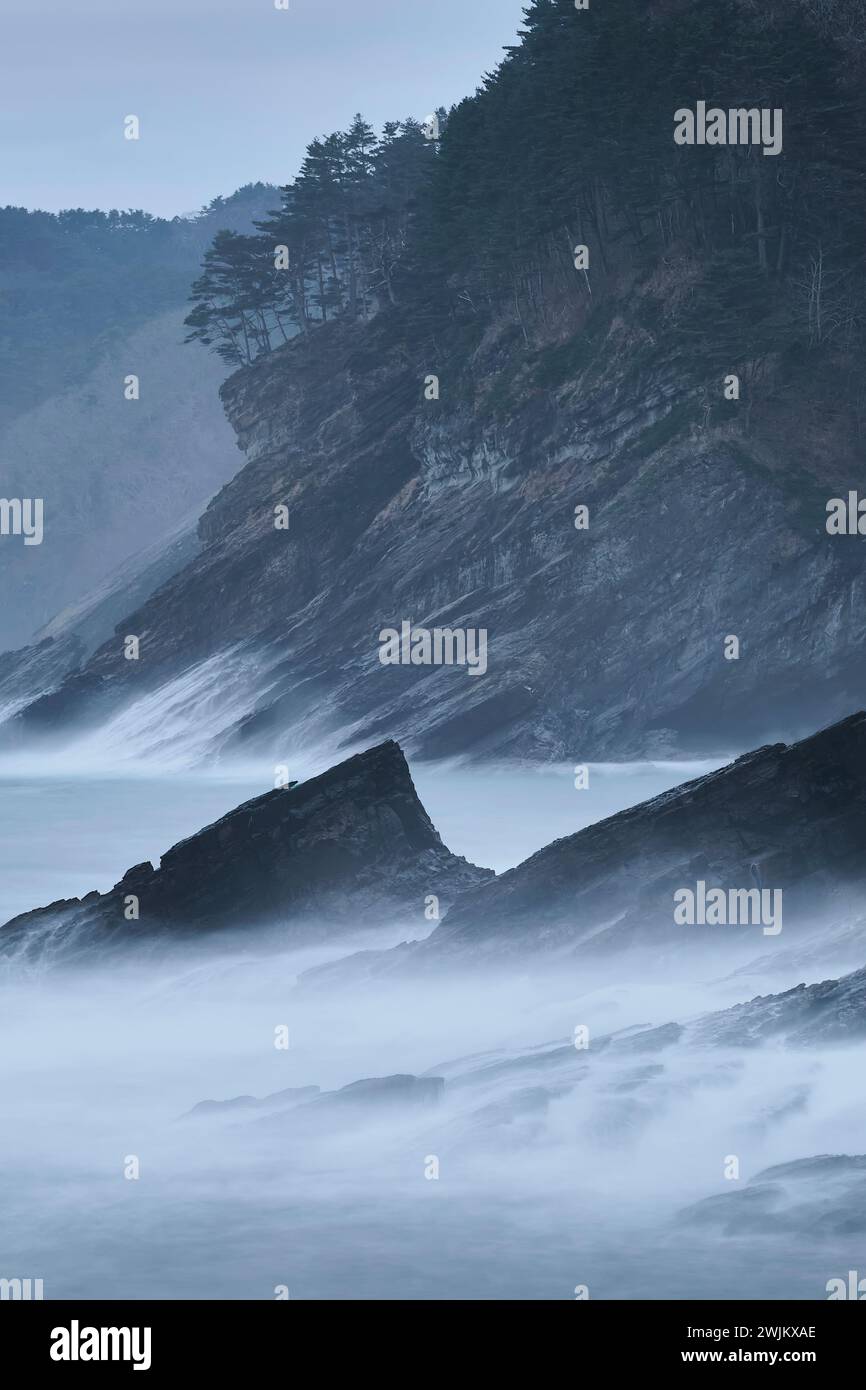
[
  {"x": 75, "y": 283},
  {"x": 86, "y": 298}
]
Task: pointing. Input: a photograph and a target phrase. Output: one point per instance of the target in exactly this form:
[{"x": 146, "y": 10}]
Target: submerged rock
[
  {"x": 385, "y": 1090},
  {"x": 278, "y": 1100},
  {"x": 369, "y": 1098},
  {"x": 820, "y": 1196},
  {"x": 300, "y": 1106}
]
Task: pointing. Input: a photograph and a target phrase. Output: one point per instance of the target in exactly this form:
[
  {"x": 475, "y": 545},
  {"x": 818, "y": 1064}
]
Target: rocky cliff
[
  {"x": 697, "y": 387},
  {"x": 608, "y": 642}
]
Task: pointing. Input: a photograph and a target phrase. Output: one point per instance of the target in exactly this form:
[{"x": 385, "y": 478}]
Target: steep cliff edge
[
  {"x": 692, "y": 377},
  {"x": 608, "y": 642}
]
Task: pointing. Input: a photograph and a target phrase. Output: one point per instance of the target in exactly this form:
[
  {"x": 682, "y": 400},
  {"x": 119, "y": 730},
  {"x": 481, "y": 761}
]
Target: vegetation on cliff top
[{"x": 570, "y": 141}]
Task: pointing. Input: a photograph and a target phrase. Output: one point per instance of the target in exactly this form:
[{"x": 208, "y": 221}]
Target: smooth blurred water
[{"x": 63, "y": 837}]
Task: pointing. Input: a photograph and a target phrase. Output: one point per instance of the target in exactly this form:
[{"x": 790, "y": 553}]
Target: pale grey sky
[{"x": 227, "y": 91}]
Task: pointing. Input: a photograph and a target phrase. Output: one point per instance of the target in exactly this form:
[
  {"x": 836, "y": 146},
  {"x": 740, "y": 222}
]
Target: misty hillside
[
  {"x": 88, "y": 298},
  {"x": 585, "y": 291}
]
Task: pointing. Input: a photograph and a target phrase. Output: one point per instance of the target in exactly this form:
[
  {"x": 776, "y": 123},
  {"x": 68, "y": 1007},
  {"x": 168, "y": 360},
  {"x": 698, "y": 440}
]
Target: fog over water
[{"x": 556, "y": 1169}]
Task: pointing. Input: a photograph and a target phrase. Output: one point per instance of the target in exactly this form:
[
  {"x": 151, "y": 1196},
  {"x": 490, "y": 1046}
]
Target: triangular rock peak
[{"x": 349, "y": 849}]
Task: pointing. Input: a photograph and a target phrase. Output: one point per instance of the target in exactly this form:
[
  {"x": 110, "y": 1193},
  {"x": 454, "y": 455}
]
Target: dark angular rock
[
  {"x": 349, "y": 849},
  {"x": 792, "y": 818}
]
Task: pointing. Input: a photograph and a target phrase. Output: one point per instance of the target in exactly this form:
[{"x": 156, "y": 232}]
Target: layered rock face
[
  {"x": 786, "y": 824},
  {"x": 350, "y": 849},
  {"x": 603, "y": 643}
]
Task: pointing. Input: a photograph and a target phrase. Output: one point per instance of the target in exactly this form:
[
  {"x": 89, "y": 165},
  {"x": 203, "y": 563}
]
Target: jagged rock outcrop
[
  {"x": 351, "y": 848},
  {"x": 787, "y": 820},
  {"x": 828, "y": 1012}
]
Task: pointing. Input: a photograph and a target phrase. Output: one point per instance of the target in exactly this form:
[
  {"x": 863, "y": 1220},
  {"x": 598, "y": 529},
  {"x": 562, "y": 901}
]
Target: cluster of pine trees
[
  {"x": 570, "y": 142},
  {"x": 580, "y": 121},
  {"x": 332, "y": 249}
]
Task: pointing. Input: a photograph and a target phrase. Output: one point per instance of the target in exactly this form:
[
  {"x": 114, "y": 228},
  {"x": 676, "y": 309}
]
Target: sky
[{"x": 227, "y": 92}]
